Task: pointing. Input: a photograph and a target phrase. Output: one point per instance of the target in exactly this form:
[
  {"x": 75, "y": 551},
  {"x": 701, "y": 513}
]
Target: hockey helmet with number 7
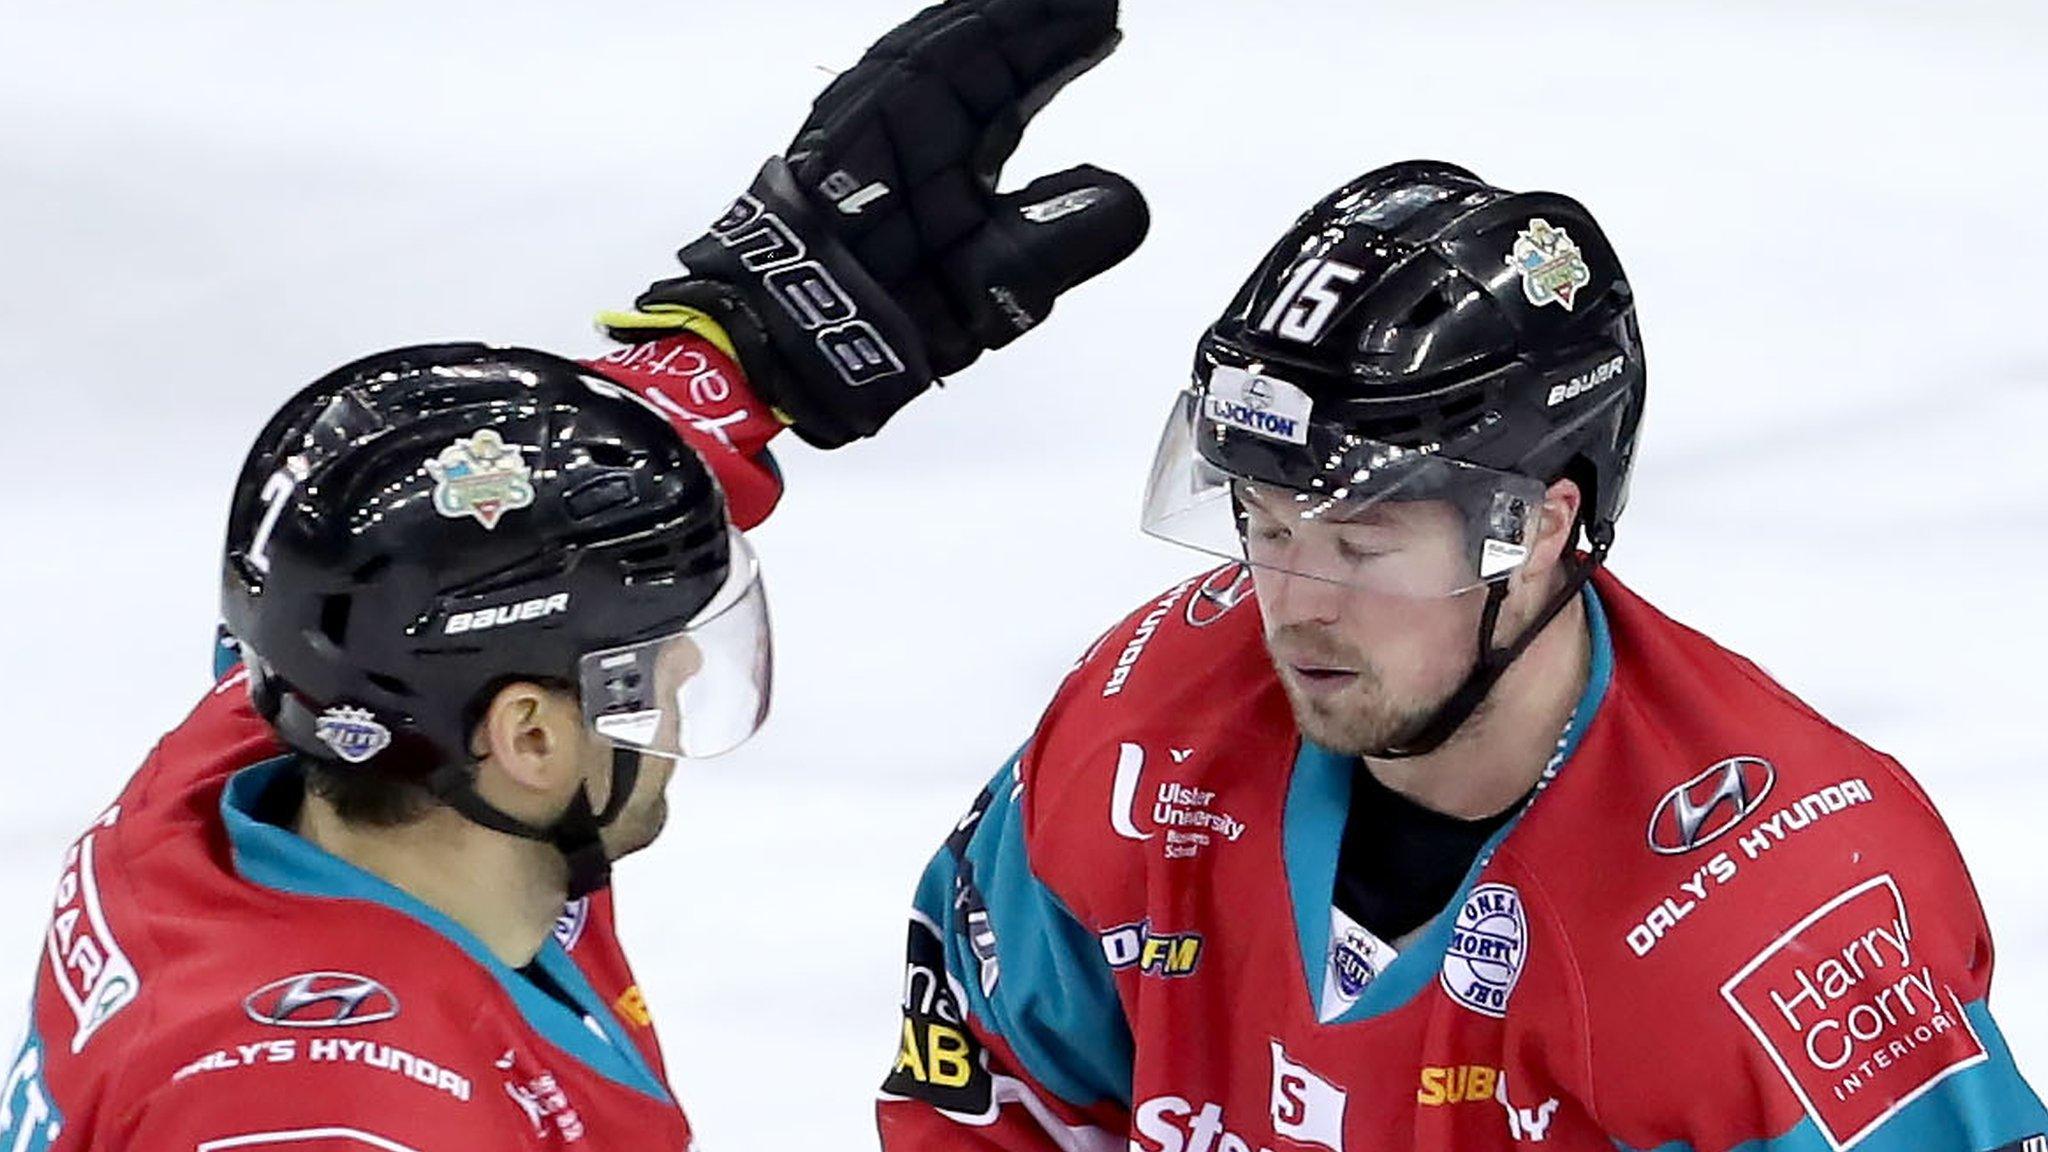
[{"x": 419, "y": 528}]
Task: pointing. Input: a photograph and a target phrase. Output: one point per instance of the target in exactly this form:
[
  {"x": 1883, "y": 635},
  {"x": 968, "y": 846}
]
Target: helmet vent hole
[
  {"x": 391, "y": 684},
  {"x": 1464, "y": 411},
  {"x": 1430, "y": 308},
  {"x": 609, "y": 455},
  {"x": 599, "y": 496},
  {"x": 649, "y": 564},
  {"x": 334, "y": 613}
]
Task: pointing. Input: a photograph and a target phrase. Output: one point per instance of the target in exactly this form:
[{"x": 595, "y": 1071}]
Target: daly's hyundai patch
[
  {"x": 321, "y": 1000},
  {"x": 1710, "y": 804},
  {"x": 1849, "y": 1009}
]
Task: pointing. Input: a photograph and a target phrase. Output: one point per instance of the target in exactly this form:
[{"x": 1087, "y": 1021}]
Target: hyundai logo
[
  {"x": 1224, "y": 589},
  {"x": 1710, "y": 804},
  {"x": 321, "y": 1000}
]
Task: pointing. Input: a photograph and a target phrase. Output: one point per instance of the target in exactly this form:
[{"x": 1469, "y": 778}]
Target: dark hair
[
  {"x": 388, "y": 793},
  {"x": 392, "y": 790}
]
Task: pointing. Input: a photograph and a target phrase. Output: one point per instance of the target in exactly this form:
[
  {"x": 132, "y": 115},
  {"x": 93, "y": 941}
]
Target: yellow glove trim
[{"x": 671, "y": 318}]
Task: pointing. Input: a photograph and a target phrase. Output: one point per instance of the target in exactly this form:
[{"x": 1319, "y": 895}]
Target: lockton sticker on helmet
[
  {"x": 353, "y": 733},
  {"x": 480, "y": 476},
  {"x": 1550, "y": 265},
  {"x": 1261, "y": 405}
]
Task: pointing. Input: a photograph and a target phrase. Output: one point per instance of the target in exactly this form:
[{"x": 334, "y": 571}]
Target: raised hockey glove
[{"x": 877, "y": 255}]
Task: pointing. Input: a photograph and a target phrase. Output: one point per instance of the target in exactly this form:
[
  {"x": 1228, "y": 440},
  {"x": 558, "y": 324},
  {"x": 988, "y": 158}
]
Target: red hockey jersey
[
  {"x": 212, "y": 981},
  {"x": 1720, "y": 924}
]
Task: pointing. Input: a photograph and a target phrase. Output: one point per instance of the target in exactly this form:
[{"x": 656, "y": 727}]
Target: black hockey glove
[{"x": 877, "y": 256}]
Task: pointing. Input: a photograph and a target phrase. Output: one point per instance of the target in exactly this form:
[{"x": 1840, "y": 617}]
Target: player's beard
[
  {"x": 1361, "y": 718},
  {"x": 640, "y": 822},
  {"x": 638, "y": 828}
]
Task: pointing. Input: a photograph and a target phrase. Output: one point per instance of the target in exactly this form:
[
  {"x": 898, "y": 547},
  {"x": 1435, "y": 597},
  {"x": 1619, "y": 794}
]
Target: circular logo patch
[{"x": 1489, "y": 942}]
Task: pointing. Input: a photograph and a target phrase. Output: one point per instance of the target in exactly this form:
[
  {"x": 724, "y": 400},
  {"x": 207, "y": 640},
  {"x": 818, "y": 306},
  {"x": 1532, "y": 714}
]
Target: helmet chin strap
[
  {"x": 1492, "y": 662},
  {"x": 577, "y": 835}
]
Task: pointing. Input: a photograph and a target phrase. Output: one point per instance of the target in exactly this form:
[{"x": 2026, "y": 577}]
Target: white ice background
[{"x": 1831, "y": 211}]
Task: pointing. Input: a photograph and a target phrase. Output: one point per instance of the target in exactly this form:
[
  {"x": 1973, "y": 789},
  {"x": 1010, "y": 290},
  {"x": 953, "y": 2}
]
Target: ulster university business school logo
[
  {"x": 1710, "y": 804},
  {"x": 1188, "y": 819}
]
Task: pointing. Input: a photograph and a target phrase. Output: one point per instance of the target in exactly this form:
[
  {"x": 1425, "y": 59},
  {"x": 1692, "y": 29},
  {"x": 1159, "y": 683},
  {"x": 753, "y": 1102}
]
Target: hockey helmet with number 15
[{"x": 1418, "y": 334}]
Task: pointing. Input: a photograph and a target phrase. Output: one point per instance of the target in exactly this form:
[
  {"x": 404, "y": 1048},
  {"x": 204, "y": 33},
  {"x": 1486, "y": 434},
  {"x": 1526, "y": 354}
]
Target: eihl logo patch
[{"x": 353, "y": 733}]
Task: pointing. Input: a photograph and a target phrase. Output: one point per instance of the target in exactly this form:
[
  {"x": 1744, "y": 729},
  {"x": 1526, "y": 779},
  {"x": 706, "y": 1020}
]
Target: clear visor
[
  {"x": 697, "y": 692},
  {"x": 1389, "y": 519}
]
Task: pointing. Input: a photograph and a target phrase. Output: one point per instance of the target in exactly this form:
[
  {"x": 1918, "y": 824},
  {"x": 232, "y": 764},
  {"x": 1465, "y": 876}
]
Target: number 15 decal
[{"x": 1308, "y": 300}]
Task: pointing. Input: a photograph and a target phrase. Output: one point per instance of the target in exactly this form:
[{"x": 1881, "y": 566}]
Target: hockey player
[
  {"x": 483, "y": 600},
  {"x": 1411, "y": 827}
]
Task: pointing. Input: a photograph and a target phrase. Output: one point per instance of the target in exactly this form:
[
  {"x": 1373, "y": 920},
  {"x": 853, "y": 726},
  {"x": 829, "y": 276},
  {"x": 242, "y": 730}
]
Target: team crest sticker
[
  {"x": 1489, "y": 942},
  {"x": 1551, "y": 267},
  {"x": 353, "y": 733},
  {"x": 480, "y": 476}
]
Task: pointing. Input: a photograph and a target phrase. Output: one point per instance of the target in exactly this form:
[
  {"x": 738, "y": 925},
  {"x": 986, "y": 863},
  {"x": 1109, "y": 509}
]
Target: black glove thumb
[{"x": 1042, "y": 240}]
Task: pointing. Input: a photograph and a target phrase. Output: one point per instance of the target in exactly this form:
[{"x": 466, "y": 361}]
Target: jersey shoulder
[
  {"x": 178, "y": 1002},
  {"x": 1696, "y": 764},
  {"x": 1177, "y": 693},
  {"x": 1718, "y": 851}
]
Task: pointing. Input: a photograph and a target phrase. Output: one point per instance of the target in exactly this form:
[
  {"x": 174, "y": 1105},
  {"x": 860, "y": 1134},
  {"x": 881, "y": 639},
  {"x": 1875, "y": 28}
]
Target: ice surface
[{"x": 1830, "y": 212}]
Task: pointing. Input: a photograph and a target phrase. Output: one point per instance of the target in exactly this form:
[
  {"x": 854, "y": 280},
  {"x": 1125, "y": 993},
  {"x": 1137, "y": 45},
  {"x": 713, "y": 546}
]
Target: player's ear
[
  {"x": 527, "y": 735},
  {"x": 1555, "y": 531}
]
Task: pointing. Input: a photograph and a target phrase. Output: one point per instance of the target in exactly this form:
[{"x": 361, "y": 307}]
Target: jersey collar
[
  {"x": 1318, "y": 800},
  {"x": 278, "y": 859}
]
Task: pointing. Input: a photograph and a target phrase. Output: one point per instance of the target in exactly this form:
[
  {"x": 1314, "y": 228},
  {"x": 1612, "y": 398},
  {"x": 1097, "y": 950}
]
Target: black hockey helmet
[
  {"x": 1418, "y": 333},
  {"x": 424, "y": 525}
]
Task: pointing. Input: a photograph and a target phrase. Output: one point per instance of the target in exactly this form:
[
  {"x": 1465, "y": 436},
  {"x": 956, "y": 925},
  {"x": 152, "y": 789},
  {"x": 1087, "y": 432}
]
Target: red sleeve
[{"x": 707, "y": 398}]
